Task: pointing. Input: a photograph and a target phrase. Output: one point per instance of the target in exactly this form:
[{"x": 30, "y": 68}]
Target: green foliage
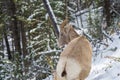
[
  {"x": 98, "y": 3},
  {"x": 95, "y": 24},
  {"x": 10, "y": 70},
  {"x": 40, "y": 38}
]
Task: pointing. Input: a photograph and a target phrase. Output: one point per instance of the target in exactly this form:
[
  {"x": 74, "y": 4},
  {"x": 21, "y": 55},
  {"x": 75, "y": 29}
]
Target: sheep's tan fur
[{"x": 75, "y": 60}]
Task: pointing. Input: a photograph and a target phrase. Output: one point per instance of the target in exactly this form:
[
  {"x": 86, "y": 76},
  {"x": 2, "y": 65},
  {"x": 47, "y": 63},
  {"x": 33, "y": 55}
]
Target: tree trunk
[
  {"x": 14, "y": 27},
  {"x": 23, "y": 39},
  {"x": 16, "y": 34},
  {"x": 52, "y": 16},
  {"x": 4, "y": 7},
  {"x": 24, "y": 50},
  {"x": 7, "y": 44},
  {"x": 12, "y": 24},
  {"x": 10, "y": 11},
  {"x": 107, "y": 14}
]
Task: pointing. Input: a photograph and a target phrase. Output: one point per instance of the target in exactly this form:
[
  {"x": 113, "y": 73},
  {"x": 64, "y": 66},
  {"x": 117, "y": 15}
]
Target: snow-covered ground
[{"x": 106, "y": 64}]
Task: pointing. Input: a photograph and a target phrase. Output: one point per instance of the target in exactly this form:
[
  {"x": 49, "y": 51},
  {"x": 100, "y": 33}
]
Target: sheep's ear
[{"x": 64, "y": 23}]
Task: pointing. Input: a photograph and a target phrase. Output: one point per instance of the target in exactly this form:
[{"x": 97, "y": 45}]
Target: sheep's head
[{"x": 67, "y": 33}]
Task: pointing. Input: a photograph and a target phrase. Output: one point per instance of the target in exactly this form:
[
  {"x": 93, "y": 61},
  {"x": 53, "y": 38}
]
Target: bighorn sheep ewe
[{"x": 75, "y": 60}]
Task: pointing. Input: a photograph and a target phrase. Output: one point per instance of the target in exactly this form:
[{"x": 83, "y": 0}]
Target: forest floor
[{"x": 106, "y": 65}]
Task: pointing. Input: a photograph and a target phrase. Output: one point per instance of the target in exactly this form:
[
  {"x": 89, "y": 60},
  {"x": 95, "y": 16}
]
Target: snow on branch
[
  {"x": 51, "y": 51},
  {"x": 86, "y": 11},
  {"x": 113, "y": 9},
  {"x": 44, "y": 53},
  {"x": 47, "y": 52},
  {"x": 105, "y": 34}
]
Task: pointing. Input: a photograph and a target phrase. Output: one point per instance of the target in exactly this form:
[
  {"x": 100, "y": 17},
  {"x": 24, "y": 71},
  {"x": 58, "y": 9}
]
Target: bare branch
[{"x": 52, "y": 16}]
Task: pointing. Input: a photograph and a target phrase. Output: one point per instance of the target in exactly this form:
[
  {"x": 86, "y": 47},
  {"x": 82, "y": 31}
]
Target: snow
[
  {"x": 32, "y": 15},
  {"x": 81, "y": 17},
  {"x": 49, "y": 78},
  {"x": 105, "y": 65}
]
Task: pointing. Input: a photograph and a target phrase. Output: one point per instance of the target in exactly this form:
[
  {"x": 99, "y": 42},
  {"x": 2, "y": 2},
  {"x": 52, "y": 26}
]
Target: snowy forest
[{"x": 29, "y": 32}]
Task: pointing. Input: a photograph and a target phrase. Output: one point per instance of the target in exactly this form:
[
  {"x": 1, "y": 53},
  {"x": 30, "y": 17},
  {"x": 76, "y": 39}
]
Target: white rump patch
[
  {"x": 73, "y": 69},
  {"x": 71, "y": 66}
]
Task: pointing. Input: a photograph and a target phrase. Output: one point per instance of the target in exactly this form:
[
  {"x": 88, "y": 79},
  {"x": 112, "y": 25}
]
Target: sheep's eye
[{"x": 61, "y": 34}]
